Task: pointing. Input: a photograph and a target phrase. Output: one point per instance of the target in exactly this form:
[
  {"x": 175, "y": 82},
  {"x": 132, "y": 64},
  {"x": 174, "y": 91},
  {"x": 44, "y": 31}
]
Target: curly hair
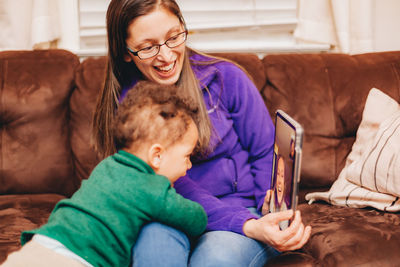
[{"x": 152, "y": 112}]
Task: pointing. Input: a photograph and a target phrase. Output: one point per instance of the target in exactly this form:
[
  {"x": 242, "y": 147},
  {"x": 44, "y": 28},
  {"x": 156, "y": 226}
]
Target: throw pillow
[{"x": 371, "y": 168}]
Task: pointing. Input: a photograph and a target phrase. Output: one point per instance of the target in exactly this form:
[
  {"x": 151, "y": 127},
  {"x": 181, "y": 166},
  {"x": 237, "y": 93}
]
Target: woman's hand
[{"x": 266, "y": 229}]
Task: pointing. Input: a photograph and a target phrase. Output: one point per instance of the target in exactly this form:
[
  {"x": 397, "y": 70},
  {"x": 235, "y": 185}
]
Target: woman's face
[
  {"x": 280, "y": 180},
  {"x": 152, "y": 29}
]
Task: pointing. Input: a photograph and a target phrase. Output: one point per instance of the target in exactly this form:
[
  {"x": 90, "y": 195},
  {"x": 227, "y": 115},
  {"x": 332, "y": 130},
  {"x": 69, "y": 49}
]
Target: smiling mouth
[{"x": 165, "y": 68}]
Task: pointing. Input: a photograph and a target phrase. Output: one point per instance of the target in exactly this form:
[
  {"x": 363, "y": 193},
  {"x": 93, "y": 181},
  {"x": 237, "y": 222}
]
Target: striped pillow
[{"x": 371, "y": 169}]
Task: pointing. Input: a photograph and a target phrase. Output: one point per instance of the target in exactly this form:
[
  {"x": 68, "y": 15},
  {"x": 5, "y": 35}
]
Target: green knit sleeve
[{"x": 182, "y": 213}]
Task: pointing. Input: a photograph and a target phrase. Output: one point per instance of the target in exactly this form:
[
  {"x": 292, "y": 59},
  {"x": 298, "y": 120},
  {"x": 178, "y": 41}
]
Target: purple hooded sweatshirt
[{"x": 237, "y": 173}]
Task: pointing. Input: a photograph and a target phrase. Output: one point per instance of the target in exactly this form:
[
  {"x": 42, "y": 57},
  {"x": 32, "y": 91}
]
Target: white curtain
[
  {"x": 346, "y": 25},
  {"x": 28, "y": 24}
]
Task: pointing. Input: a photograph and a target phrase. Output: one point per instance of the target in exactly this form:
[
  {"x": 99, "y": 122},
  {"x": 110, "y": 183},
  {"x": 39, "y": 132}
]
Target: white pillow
[{"x": 371, "y": 176}]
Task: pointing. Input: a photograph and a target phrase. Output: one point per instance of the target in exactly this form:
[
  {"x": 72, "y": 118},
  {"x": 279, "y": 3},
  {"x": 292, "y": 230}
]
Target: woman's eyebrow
[{"x": 173, "y": 29}]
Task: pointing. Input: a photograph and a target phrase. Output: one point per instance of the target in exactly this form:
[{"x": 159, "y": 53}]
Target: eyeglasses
[{"x": 153, "y": 51}]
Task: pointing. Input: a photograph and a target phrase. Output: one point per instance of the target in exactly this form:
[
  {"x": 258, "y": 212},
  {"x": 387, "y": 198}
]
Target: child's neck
[{"x": 138, "y": 153}]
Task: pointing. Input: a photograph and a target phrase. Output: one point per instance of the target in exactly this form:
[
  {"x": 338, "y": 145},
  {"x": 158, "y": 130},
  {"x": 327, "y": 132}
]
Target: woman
[
  {"x": 282, "y": 190},
  {"x": 281, "y": 193},
  {"x": 229, "y": 176}
]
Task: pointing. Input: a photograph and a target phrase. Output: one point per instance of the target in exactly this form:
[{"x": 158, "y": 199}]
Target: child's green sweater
[{"x": 101, "y": 221}]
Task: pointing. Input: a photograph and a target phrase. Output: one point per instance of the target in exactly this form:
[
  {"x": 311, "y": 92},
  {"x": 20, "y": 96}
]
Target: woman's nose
[{"x": 165, "y": 53}]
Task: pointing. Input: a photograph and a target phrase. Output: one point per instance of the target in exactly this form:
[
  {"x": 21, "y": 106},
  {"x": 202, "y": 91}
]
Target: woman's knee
[
  {"x": 161, "y": 245},
  {"x": 157, "y": 232},
  {"x": 222, "y": 248}
]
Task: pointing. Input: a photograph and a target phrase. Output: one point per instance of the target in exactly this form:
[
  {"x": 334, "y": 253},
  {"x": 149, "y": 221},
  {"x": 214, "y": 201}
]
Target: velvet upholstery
[
  {"x": 89, "y": 79},
  {"x": 22, "y": 212},
  {"x": 326, "y": 93},
  {"x": 35, "y": 87},
  {"x": 47, "y": 100},
  {"x": 345, "y": 236},
  {"x": 36, "y": 162}
]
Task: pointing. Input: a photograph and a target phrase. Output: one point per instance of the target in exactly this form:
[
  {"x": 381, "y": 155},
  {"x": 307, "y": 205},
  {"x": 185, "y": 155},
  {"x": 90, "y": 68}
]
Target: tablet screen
[{"x": 287, "y": 153}]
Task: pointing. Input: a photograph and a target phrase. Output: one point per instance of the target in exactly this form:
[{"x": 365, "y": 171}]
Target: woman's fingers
[
  {"x": 296, "y": 235},
  {"x": 281, "y": 216}
]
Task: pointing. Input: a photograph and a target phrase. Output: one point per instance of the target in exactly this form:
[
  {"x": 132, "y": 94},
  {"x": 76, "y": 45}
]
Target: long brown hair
[{"x": 119, "y": 73}]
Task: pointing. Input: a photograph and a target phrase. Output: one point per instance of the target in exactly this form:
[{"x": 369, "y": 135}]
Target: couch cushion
[
  {"x": 344, "y": 236},
  {"x": 370, "y": 176},
  {"x": 19, "y": 213},
  {"x": 376, "y": 162},
  {"x": 89, "y": 81},
  {"x": 326, "y": 94},
  {"x": 35, "y": 151}
]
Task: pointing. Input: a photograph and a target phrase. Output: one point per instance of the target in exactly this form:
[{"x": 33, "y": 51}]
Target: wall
[
  {"x": 387, "y": 22},
  {"x": 260, "y": 26}
]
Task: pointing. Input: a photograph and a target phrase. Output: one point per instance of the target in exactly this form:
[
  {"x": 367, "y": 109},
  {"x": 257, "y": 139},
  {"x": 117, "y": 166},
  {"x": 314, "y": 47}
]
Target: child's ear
[{"x": 154, "y": 156}]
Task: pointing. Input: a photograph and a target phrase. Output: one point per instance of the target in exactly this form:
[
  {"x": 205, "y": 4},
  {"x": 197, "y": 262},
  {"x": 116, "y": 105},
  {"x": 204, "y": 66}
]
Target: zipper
[{"x": 235, "y": 178}]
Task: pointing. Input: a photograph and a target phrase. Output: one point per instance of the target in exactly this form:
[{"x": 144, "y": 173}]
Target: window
[{"x": 256, "y": 26}]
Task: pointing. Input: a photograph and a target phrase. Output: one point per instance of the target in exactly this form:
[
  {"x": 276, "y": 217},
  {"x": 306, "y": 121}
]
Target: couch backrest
[
  {"x": 326, "y": 93},
  {"x": 89, "y": 81},
  {"x": 47, "y": 99},
  {"x": 34, "y": 137},
  {"x": 47, "y": 104}
]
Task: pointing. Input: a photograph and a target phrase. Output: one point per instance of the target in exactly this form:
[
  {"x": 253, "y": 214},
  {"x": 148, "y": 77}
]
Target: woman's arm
[
  {"x": 252, "y": 124},
  {"x": 221, "y": 216},
  {"x": 255, "y": 130}
]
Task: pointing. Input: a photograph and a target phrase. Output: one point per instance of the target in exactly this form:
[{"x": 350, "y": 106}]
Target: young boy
[{"x": 155, "y": 135}]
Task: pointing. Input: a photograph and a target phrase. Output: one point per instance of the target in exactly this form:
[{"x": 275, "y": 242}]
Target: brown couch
[{"x": 46, "y": 104}]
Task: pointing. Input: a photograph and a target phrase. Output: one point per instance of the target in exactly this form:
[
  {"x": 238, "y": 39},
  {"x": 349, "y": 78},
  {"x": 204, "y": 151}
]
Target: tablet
[{"x": 286, "y": 164}]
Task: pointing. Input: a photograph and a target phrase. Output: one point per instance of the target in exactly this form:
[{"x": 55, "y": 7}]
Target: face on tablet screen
[
  {"x": 282, "y": 185},
  {"x": 280, "y": 180}
]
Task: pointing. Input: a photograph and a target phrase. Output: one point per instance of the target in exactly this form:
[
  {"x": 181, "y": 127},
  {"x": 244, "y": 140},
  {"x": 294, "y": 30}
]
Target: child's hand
[{"x": 265, "y": 206}]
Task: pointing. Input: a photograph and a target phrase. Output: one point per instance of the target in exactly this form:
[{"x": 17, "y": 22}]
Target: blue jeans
[{"x": 161, "y": 245}]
